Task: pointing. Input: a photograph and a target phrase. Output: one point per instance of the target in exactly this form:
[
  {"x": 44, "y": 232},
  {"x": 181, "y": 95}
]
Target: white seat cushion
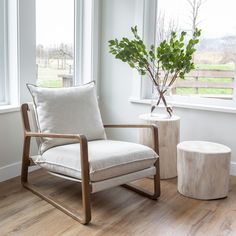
[
  {"x": 107, "y": 159},
  {"x": 71, "y": 110}
]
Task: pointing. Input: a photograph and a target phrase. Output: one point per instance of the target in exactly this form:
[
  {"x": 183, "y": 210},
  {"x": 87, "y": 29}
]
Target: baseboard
[
  {"x": 233, "y": 168},
  {"x": 12, "y": 170}
]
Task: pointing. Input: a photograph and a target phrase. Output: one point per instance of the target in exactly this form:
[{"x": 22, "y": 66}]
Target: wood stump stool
[
  {"x": 203, "y": 169},
  {"x": 168, "y": 134}
]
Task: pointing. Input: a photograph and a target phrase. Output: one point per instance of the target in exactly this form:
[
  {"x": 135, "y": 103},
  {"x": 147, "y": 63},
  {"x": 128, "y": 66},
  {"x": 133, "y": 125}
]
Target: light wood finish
[
  {"x": 116, "y": 212},
  {"x": 155, "y": 146},
  {"x": 203, "y": 169},
  {"x": 213, "y": 73},
  {"x": 85, "y": 217},
  {"x": 168, "y": 130}
]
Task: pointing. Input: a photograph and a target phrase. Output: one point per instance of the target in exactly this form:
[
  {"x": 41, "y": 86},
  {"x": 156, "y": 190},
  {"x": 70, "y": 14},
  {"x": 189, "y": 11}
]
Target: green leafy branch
[{"x": 172, "y": 59}]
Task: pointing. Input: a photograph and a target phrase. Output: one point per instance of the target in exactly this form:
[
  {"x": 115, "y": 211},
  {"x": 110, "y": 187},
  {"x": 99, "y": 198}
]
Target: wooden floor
[{"x": 116, "y": 211}]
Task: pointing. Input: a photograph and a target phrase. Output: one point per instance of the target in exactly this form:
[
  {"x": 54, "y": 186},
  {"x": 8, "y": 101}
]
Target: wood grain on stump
[{"x": 203, "y": 169}]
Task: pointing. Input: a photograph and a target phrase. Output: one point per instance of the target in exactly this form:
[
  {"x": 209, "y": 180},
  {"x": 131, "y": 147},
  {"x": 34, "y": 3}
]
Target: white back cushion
[{"x": 71, "y": 110}]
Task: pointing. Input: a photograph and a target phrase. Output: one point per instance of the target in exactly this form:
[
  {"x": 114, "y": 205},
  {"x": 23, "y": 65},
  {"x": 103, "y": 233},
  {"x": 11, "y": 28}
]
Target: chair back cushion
[{"x": 71, "y": 110}]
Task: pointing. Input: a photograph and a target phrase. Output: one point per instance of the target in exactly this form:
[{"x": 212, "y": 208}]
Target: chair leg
[
  {"x": 156, "y": 182},
  {"x": 25, "y": 160},
  {"x": 84, "y": 219}
]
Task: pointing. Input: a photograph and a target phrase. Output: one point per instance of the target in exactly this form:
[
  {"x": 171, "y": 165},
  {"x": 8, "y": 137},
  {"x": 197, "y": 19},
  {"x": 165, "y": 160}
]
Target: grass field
[
  {"x": 48, "y": 76},
  {"x": 203, "y": 91},
  {"x": 215, "y": 66}
]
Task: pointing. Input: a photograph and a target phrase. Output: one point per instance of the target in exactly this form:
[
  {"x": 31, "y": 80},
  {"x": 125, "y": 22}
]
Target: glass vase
[{"x": 160, "y": 103}]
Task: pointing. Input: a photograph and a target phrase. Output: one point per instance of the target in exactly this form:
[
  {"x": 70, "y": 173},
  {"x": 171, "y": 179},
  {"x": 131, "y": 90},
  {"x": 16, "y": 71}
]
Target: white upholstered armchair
[{"x": 73, "y": 145}]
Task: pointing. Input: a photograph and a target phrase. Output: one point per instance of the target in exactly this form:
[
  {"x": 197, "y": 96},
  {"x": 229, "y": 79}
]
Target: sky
[
  {"x": 55, "y": 18},
  {"x": 217, "y": 18},
  {"x": 54, "y": 21}
]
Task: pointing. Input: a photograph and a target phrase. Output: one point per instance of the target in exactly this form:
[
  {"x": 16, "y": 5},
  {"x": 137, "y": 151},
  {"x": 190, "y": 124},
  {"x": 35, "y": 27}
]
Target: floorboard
[{"x": 115, "y": 211}]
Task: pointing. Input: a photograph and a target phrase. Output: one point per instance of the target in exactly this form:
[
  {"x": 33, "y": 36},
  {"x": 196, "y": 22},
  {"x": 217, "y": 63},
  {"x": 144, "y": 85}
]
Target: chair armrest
[
  {"x": 80, "y": 138},
  {"x": 130, "y": 126},
  {"x": 53, "y": 135},
  {"x": 142, "y": 126}
]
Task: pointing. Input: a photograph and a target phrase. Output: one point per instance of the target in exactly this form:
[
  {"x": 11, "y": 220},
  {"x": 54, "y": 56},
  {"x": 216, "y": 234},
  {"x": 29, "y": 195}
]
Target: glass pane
[
  {"x": 55, "y": 42},
  {"x": 216, "y": 52}
]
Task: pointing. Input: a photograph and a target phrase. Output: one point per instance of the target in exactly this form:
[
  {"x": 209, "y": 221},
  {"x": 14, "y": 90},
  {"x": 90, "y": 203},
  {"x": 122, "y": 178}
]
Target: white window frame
[
  {"x": 141, "y": 87},
  {"x": 87, "y": 18},
  {"x": 3, "y": 53},
  {"x": 10, "y": 59}
]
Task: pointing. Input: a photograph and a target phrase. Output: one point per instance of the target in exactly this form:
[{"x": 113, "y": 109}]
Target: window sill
[
  {"x": 190, "y": 106},
  {"x": 9, "y": 108}
]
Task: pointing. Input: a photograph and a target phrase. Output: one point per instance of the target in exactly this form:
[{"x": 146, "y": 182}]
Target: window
[
  {"x": 18, "y": 51},
  {"x": 3, "y": 97},
  {"x": 55, "y": 42},
  {"x": 66, "y": 44},
  {"x": 215, "y": 56},
  {"x": 212, "y": 82}
]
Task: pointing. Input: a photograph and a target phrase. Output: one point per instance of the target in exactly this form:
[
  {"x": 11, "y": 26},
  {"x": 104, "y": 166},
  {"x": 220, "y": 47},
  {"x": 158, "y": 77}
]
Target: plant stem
[{"x": 162, "y": 97}]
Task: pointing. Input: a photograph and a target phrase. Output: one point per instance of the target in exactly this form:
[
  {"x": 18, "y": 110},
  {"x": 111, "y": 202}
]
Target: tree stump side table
[
  {"x": 168, "y": 134},
  {"x": 203, "y": 169}
]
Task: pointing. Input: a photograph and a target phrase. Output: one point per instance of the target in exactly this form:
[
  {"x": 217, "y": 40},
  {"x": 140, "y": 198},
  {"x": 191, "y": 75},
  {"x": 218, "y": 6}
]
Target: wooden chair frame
[{"x": 85, "y": 216}]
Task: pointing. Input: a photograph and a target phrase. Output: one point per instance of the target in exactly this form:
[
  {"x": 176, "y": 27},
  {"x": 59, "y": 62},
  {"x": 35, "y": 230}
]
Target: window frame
[
  {"x": 141, "y": 89},
  {"x": 3, "y": 51},
  {"x": 11, "y": 57},
  {"x": 86, "y": 41},
  {"x": 20, "y": 37}
]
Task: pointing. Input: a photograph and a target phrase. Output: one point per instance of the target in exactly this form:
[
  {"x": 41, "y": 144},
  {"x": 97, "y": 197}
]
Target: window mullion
[{"x": 2, "y": 52}]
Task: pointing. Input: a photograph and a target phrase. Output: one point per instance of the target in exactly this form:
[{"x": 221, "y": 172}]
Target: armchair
[{"x": 95, "y": 162}]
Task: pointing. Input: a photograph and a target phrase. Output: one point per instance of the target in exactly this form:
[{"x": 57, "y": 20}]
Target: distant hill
[{"x": 217, "y": 44}]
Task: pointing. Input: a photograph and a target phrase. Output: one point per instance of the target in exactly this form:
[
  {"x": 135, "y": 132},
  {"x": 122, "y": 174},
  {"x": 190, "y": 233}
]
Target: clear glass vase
[{"x": 160, "y": 104}]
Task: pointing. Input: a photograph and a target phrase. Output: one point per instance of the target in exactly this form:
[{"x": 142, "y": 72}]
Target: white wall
[
  {"x": 10, "y": 144},
  {"x": 116, "y": 86},
  {"x": 11, "y": 135}
]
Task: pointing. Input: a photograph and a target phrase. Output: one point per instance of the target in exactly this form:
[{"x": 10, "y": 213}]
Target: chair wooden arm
[
  {"x": 130, "y": 126},
  {"x": 80, "y": 138},
  {"x": 142, "y": 126},
  {"x": 55, "y": 135}
]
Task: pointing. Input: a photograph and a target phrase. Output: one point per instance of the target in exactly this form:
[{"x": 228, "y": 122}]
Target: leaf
[{"x": 173, "y": 55}]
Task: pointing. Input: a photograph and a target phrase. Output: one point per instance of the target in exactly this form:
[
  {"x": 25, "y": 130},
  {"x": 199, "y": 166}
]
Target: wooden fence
[
  {"x": 195, "y": 80},
  {"x": 67, "y": 80}
]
